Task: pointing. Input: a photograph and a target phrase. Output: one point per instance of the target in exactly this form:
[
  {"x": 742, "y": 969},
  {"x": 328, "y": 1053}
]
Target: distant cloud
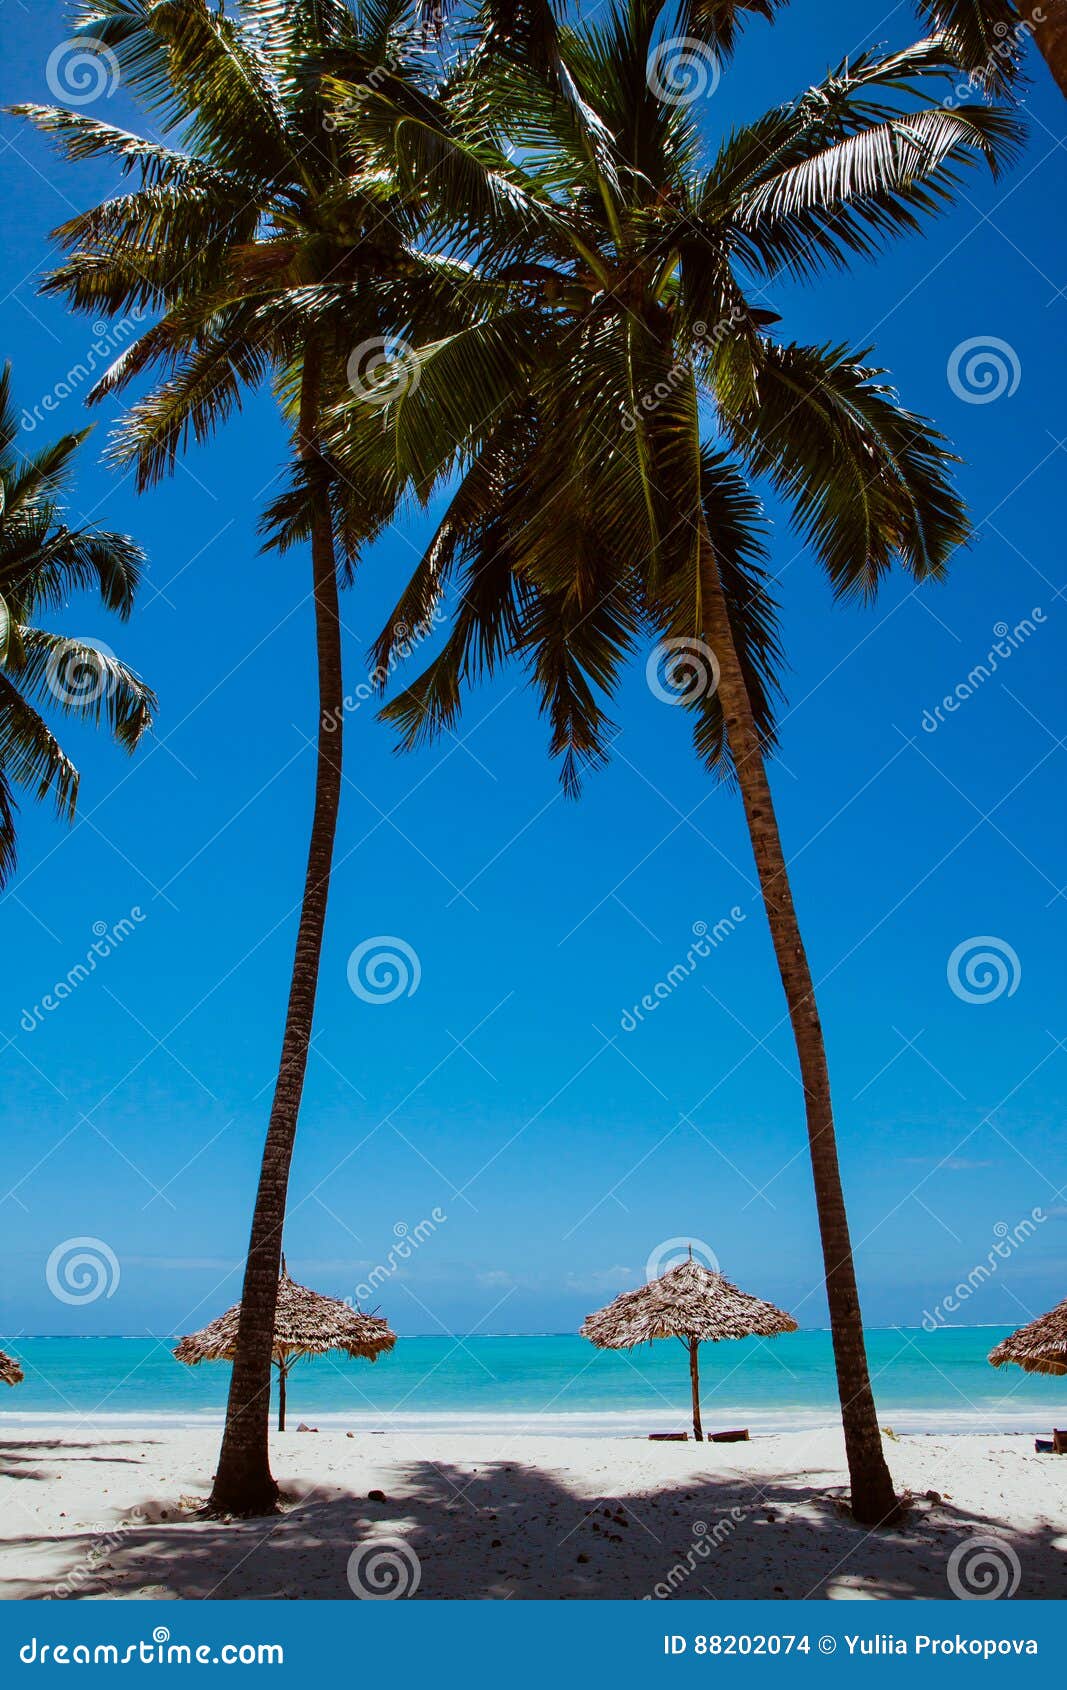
[
  {"x": 600, "y": 1279},
  {"x": 954, "y": 1164},
  {"x": 183, "y": 1264}
]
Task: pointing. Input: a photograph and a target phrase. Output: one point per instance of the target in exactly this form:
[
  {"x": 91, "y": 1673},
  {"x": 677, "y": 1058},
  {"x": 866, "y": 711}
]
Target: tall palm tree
[
  {"x": 266, "y": 250},
  {"x": 42, "y": 560},
  {"x": 609, "y": 411},
  {"x": 987, "y": 37}
]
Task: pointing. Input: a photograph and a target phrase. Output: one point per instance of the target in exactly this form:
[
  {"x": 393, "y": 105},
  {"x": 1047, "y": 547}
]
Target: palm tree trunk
[
  {"x": 694, "y": 1385},
  {"x": 1049, "y": 24},
  {"x": 873, "y": 1498},
  {"x": 243, "y": 1482}
]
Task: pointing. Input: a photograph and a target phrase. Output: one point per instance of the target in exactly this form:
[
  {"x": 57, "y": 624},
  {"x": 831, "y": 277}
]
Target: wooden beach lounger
[{"x": 739, "y": 1437}]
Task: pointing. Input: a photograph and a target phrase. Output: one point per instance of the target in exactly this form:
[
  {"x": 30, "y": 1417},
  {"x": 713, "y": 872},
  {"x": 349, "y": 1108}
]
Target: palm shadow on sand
[{"x": 506, "y": 1531}]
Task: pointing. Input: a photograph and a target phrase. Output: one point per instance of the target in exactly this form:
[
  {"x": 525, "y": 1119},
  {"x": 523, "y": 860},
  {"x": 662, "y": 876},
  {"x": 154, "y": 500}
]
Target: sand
[{"x": 501, "y": 1516}]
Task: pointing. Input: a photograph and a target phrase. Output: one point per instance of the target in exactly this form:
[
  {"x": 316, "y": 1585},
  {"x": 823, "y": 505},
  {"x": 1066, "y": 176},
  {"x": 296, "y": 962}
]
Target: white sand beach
[{"x": 498, "y": 1516}]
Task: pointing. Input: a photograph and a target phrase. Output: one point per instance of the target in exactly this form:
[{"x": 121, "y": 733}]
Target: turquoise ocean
[{"x": 924, "y": 1382}]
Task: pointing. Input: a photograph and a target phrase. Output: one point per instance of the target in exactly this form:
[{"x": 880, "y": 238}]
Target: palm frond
[
  {"x": 80, "y": 679},
  {"x": 985, "y": 36},
  {"x": 870, "y": 482},
  {"x": 31, "y": 756}
]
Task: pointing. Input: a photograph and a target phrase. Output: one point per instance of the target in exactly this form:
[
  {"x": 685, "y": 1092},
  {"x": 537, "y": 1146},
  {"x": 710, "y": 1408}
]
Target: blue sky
[{"x": 503, "y": 1092}]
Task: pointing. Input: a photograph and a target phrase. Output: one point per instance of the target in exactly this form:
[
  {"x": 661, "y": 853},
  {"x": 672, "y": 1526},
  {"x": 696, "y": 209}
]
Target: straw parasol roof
[
  {"x": 10, "y": 1371},
  {"x": 305, "y": 1324},
  {"x": 690, "y": 1303},
  {"x": 1040, "y": 1347},
  {"x": 687, "y": 1302}
]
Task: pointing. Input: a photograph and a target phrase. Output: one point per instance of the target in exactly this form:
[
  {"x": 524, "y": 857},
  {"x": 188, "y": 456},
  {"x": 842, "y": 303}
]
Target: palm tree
[
  {"x": 989, "y": 37},
  {"x": 42, "y": 560},
  {"x": 610, "y": 409},
  {"x": 986, "y": 37},
  {"x": 267, "y": 251}
]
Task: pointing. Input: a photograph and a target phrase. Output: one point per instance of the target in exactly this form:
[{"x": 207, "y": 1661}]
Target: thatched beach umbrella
[
  {"x": 305, "y": 1324},
  {"x": 691, "y": 1304},
  {"x": 1040, "y": 1347},
  {"x": 10, "y": 1371}
]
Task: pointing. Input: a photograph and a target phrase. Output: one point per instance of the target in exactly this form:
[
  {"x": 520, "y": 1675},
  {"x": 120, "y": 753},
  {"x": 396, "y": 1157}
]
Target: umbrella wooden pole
[
  {"x": 694, "y": 1380},
  {"x": 281, "y": 1396}
]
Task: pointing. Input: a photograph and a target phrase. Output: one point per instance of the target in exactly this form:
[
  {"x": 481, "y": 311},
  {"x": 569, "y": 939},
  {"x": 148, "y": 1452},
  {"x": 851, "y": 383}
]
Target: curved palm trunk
[
  {"x": 243, "y": 1482},
  {"x": 1049, "y": 24},
  {"x": 873, "y": 1498}
]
